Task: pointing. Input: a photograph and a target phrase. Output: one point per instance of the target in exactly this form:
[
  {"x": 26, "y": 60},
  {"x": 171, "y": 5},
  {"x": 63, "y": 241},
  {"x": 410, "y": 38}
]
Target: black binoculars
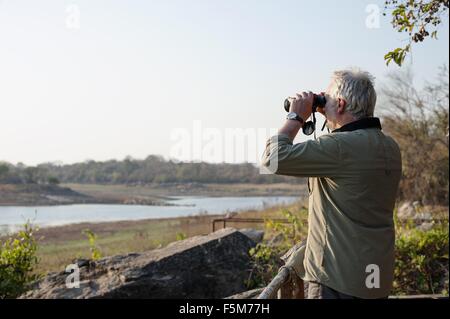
[
  {"x": 310, "y": 126},
  {"x": 319, "y": 101}
]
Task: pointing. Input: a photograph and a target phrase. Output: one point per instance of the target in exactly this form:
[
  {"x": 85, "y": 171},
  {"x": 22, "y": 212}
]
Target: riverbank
[
  {"x": 41, "y": 195},
  {"x": 161, "y": 192},
  {"x": 148, "y": 195}
]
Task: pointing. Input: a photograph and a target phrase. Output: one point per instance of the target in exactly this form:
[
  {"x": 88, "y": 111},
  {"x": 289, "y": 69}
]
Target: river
[{"x": 11, "y": 217}]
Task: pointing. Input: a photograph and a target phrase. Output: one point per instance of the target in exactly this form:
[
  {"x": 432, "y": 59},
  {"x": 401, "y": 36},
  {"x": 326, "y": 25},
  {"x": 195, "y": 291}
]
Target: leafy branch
[{"x": 419, "y": 18}]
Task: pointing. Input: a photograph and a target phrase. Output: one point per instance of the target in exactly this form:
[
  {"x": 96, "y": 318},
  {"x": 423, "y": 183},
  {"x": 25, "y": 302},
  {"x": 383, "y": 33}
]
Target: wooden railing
[{"x": 284, "y": 286}]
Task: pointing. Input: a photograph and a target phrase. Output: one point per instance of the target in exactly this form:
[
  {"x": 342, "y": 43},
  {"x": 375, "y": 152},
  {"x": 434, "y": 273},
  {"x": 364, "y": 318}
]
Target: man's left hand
[{"x": 302, "y": 105}]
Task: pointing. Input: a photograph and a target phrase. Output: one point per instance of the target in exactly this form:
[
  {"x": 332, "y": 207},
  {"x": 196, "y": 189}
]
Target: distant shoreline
[{"x": 148, "y": 195}]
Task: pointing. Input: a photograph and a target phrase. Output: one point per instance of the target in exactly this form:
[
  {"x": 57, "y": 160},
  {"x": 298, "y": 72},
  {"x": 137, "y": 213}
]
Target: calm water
[{"x": 12, "y": 217}]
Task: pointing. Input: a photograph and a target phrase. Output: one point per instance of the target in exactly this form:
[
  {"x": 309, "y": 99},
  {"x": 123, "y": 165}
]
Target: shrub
[
  {"x": 92, "y": 238},
  {"x": 17, "y": 261},
  {"x": 53, "y": 180},
  {"x": 421, "y": 264},
  {"x": 181, "y": 236},
  {"x": 266, "y": 259},
  {"x": 265, "y": 265}
]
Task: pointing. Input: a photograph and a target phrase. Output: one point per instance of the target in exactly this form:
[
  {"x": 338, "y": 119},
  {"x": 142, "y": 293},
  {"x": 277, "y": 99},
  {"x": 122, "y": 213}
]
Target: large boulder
[
  {"x": 254, "y": 234},
  {"x": 212, "y": 266},
  {"x": 251, "y": 294}
]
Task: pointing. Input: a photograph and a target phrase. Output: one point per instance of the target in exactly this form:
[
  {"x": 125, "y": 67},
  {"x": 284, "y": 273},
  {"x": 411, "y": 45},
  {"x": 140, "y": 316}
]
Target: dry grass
[{"x": 158, "y": 192}]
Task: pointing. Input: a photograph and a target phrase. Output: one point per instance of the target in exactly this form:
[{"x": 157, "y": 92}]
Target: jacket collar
[{"x": 365, "y": 123}]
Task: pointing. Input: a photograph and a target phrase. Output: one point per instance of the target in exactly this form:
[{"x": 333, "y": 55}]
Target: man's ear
[{"x": 342, "y": 105}]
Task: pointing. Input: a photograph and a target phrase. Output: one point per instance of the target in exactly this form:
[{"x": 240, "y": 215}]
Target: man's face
[{"x": 330, "y": 111}]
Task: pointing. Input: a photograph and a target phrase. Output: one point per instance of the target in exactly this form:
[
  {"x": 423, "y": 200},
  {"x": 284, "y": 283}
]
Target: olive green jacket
[{"x": 354, "y": 174}]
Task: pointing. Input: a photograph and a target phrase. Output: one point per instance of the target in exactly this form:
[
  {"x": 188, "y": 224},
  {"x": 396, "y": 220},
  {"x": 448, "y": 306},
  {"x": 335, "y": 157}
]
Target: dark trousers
[
  {"x": 314, "y": 290},
  {"x": 319, "y": 291}
]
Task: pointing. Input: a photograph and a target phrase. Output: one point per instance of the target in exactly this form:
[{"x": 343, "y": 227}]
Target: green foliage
[
  {"x": 421, "y": 265},
  {"x": 417, "y": 18},
  {"x": 53, "y": 180},
  {"x": 181, "y": 236},
  {"x": 4, "y": 169},
  {"x": 92, "y": 238},
  {"x": 265, "y": 265},
  {"x": 30, "y": 174},
  {"x": 266, "y": 259},
  {"x": 398, "y": 55},
  {"x": 17, "y": 262},
  {"x": 290, "y": 233}
]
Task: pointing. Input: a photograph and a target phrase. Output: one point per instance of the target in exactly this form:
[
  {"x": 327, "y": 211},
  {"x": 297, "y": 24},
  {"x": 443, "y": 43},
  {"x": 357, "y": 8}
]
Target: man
[{"x": 354, "y": 173}]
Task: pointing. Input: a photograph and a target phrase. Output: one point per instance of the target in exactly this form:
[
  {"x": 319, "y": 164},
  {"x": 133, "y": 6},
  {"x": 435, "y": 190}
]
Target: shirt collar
[{"x": 365, "y": 123}]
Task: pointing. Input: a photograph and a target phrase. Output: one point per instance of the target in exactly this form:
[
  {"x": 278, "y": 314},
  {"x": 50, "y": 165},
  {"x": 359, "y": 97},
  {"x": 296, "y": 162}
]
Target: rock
[
  {"x": 406, "y": 211},
  {"x": 211, "y": 266},
  {"x": 424, "y": 216},
  {"x": 251, "y": 294},
  {"x": 254, "y": 234},
  {"x": 426, "y": 226}
]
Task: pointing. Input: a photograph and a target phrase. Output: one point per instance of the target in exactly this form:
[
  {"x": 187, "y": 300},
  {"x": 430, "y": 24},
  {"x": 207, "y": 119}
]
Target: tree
[
  {"x": 419, "y": 18},
  {"x": 4, "y": 169},
  {"x": 31, "y": 175},
  {"x": 419, "y": 121},
  {"x": 53, "y": 180}
]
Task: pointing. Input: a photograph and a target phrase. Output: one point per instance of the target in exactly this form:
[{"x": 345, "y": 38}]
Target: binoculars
[
  {"x": 310, "y": 126},
  {"x": 319, "y": 101}
]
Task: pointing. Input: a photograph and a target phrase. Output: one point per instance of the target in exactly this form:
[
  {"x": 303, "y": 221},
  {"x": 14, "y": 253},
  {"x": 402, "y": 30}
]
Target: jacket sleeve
[{"x": 316, "y": 158}]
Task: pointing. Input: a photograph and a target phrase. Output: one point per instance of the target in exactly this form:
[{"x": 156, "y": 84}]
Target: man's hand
[{"x": 302, "y": 105}]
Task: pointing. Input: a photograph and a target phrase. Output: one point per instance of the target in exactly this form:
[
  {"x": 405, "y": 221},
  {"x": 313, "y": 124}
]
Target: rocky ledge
[{"x": 211, "y": 266}]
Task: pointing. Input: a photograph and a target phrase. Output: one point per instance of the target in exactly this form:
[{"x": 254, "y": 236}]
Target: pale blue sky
[{"x": 136, "y": 70}]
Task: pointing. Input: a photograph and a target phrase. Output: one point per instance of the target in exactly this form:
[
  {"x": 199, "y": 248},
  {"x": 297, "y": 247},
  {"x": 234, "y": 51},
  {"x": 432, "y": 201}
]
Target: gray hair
[{"x": 357, "y": 88}]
